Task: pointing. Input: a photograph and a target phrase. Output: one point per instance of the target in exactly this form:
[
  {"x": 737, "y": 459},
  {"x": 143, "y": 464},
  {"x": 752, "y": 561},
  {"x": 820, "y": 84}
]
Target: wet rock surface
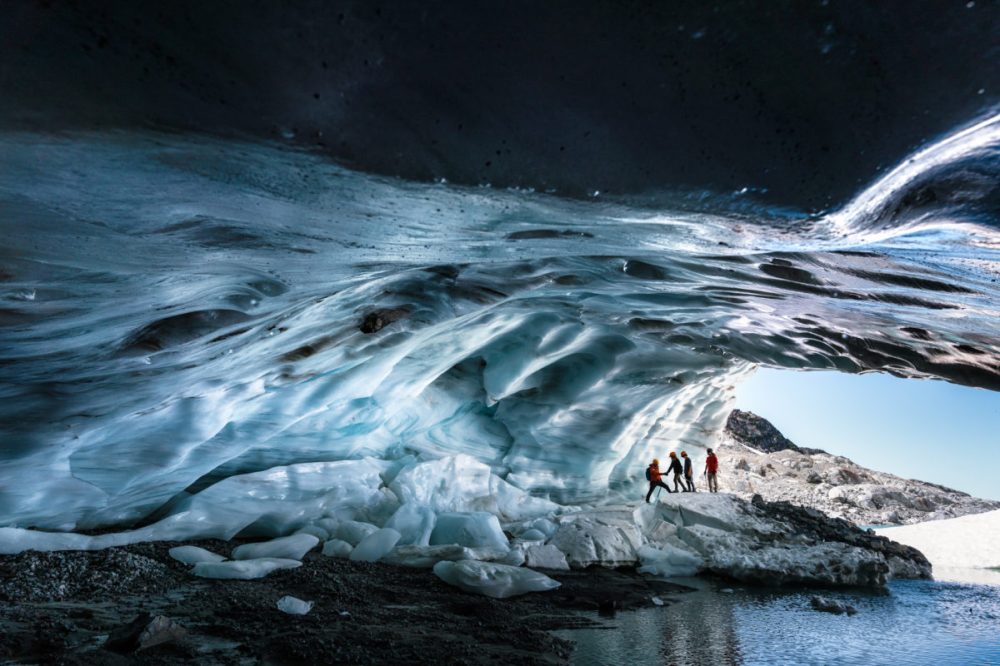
[{"x": 363, "y": 613}]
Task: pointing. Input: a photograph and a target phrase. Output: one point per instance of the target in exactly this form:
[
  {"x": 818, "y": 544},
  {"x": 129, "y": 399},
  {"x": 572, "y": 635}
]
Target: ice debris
[
  {"x": 493, "y": 580},
  {"x": 243, "y": 569},
  {"x": 294, "y": 605},
  {"x": 414, "y": 522},
  {"x": 194, "y": 555},
  {"x": 353, "y": 531},
  {"x": 668, "y": 561},
  {"x": 476, "y": 529},
  {"x": 337, "y": 548},
  {"x": 545, "y": 557},
  {"x": 375, "y": 546},
  {"x": 292, "y": 547}
]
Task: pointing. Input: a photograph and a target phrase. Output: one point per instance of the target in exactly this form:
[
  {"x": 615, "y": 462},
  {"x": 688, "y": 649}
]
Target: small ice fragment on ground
[
  {"x": 546, "y": 557},
  {"x": 194, "y": 555},
  {"x": 375, "y": 546},
  {"x": 337, "y": 548},
  {"x": 344, "y": 614},
  {"x": 292, "y": 547},
  {"x": 493, "y": 580},
  {"x": 243, "y": 569},
  {"x": 657, "y": 601},
  {"x": 727, "y": 590},
  {"x": 353, "y": 531},
  {"x": 475, "y": 530},
  {"x": 294, "y": 606}
]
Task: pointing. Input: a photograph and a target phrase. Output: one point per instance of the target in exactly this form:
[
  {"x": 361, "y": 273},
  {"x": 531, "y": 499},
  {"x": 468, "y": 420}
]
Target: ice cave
[{"x": 303, "y": 284}]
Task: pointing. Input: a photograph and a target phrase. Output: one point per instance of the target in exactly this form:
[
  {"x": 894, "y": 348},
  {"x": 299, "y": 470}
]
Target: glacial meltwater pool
[{"x": 916, "y": 622}]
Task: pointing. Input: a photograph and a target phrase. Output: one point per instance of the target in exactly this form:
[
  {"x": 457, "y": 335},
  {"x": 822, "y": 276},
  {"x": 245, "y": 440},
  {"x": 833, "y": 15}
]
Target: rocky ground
[
  {"x": 61, "y": 607},
  {"x": 755, "y": 459}
]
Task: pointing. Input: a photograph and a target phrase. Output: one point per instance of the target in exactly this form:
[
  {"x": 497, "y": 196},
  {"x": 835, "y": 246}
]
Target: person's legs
[
  {"x": 652, "y": 487},
  {"x": 690, "y": 483},
  {"x": 677, "y": 480},
  {"x": 713, "y": 485}
]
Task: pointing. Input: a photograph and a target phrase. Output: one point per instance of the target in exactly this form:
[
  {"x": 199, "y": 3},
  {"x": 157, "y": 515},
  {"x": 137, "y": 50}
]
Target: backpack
[{"x": 647, "y": 475}]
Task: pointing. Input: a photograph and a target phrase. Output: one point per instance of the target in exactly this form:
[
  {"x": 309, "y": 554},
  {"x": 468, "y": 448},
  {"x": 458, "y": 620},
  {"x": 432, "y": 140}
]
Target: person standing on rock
[
  {"x": 688, "y": 473},
  {"x": 678, "y": 471},
  {"x": 711, "y": 469},
  {"x": 654, "y": 478}
]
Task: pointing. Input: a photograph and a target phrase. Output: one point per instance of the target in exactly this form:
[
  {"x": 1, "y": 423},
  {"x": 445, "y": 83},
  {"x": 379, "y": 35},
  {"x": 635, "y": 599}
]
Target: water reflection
[{"x": 917, "y": 622}]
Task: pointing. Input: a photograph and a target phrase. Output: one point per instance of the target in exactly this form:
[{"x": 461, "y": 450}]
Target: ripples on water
[{"x": 916, "y": 623}]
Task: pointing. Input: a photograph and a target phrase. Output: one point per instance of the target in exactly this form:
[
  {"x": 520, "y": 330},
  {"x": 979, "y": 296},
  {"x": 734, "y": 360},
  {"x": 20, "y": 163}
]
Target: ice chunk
[
  {"x": 425, "y": 557},
  {"x": 605, "y": 537},
  {"x": 194, "y": 555},
  {"x": 375, "y": 546},
  {"x": 353, "y": 531},
  {"x": 415, "y": 522},
  {"x": 493, "y": 580},
  {"x": 315, "y": 530},
  {"x": 533, "y": 535},
  {"x": 475, "y": 530},
  {"x": 292, "y": 547},
  {"x": 243, "y": 569},
  {"x": 337, "y": 548},
  {"x": 545, "y": 557},
  {"x": 294, "y": 605},
  {"x": 668, "y": 561},
  {"x": 329, "y": 524}
]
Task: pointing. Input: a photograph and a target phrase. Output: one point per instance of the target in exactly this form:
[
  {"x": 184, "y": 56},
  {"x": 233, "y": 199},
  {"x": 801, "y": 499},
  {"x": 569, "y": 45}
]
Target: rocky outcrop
[{"x": 755, "y": 459}]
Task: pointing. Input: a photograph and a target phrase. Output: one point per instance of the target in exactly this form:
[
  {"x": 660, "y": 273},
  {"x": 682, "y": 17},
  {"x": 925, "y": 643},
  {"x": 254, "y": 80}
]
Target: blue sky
[{"x": 919, "y": 429}]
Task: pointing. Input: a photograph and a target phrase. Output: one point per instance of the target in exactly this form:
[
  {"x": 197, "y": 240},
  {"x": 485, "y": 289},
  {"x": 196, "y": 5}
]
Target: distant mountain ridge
[{"x": 755, "y": 458}]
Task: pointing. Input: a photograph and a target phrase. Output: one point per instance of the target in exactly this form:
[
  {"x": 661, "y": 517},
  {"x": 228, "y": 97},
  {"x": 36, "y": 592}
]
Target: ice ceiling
[{"x": 175, "y": 310}]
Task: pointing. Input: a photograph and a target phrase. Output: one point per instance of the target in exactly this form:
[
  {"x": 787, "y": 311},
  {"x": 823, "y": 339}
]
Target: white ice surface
[
  {"x": 668, "y": 561},
  {"x": 294, "y": 605},
  {"x": 375, "y": 546},
  {"x": 475, "y": 530},
  {"x": 545, "y": 557},
  {"x": 425, "y": 557},
  {"x": 493, "y": 580},
  {"x": 243, "y": 569},
  {"x": 965, "y": 549},
  {"x": 292, "y": 547},
  {"x": 194, "y": 555},
  {"x": 414, "y": 522}
]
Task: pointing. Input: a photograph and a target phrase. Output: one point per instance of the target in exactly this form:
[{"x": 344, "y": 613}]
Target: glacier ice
[
  {"x": 243, "y": 569},
  {"x": 608, "y": 537},
  {"x": 425, "y": 557},
  {"x": 375, "y": 546},
  {"x": 354, "y": 531},
  {"x": 337, "y": 548},
  {"x": 292, "y": 547},
  {"x": 414, "y": 522},
  {"x": 668, "y": 561},
  {"x": 545, "y": 557},
  {"x": 477, "y": 529},
  {"x": 493, "y": 580},
  {"x": 532, "y": 534},
  {"x": 315, "y": 530},
  {"x": 294, "y": 605},
  {"x": 194, "y": 555}
]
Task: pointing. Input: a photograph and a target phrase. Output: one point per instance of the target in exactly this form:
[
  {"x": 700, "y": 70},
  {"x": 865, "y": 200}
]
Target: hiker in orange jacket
[{"x": 654, "y": 478}]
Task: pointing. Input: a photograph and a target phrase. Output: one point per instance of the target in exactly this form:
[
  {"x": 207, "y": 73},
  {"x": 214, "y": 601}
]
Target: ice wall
[{"x": 176, "y": 311}]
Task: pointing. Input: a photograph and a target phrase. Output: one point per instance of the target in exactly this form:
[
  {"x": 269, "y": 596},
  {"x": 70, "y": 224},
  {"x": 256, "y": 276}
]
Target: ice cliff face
[{"x": 177, "y": 310}]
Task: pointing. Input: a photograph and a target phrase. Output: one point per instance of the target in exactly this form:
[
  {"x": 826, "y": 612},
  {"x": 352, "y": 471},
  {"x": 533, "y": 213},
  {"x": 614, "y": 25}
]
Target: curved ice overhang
[{"x": 178, "y": 310}]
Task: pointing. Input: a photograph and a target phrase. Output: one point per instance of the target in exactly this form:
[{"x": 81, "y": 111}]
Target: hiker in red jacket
[
  {"x": 653, "y": 476},
  {"x": 711, "y": 469}
]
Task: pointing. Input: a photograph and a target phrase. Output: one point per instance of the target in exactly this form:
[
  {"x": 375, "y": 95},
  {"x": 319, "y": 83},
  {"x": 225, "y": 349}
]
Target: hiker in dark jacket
[
  {"x": 677, "y": 470},
  {"x": 688, "y": 473},
  {"x": 654, "y": 478}
]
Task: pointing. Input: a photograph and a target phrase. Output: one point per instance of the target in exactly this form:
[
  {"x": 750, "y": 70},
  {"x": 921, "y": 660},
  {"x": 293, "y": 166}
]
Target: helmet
[
  {"x": 684, "y": 453},
  {"x": 673, "y": 455},
  {"x": 656, "y": 461}
]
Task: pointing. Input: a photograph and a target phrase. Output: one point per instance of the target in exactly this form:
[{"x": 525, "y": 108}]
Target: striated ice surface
[
  {"x": 294, "y": 605},
  {"x": 243, "y": 569},
  {"x": 234, "y": 338},
  {"x": 493, "y": 580},
  {"x": 375, "y": 546},
  {"x": 478, "y": 529},
  {"x": 194, "y": 555},
  {"x": 292, "y": 547}
]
